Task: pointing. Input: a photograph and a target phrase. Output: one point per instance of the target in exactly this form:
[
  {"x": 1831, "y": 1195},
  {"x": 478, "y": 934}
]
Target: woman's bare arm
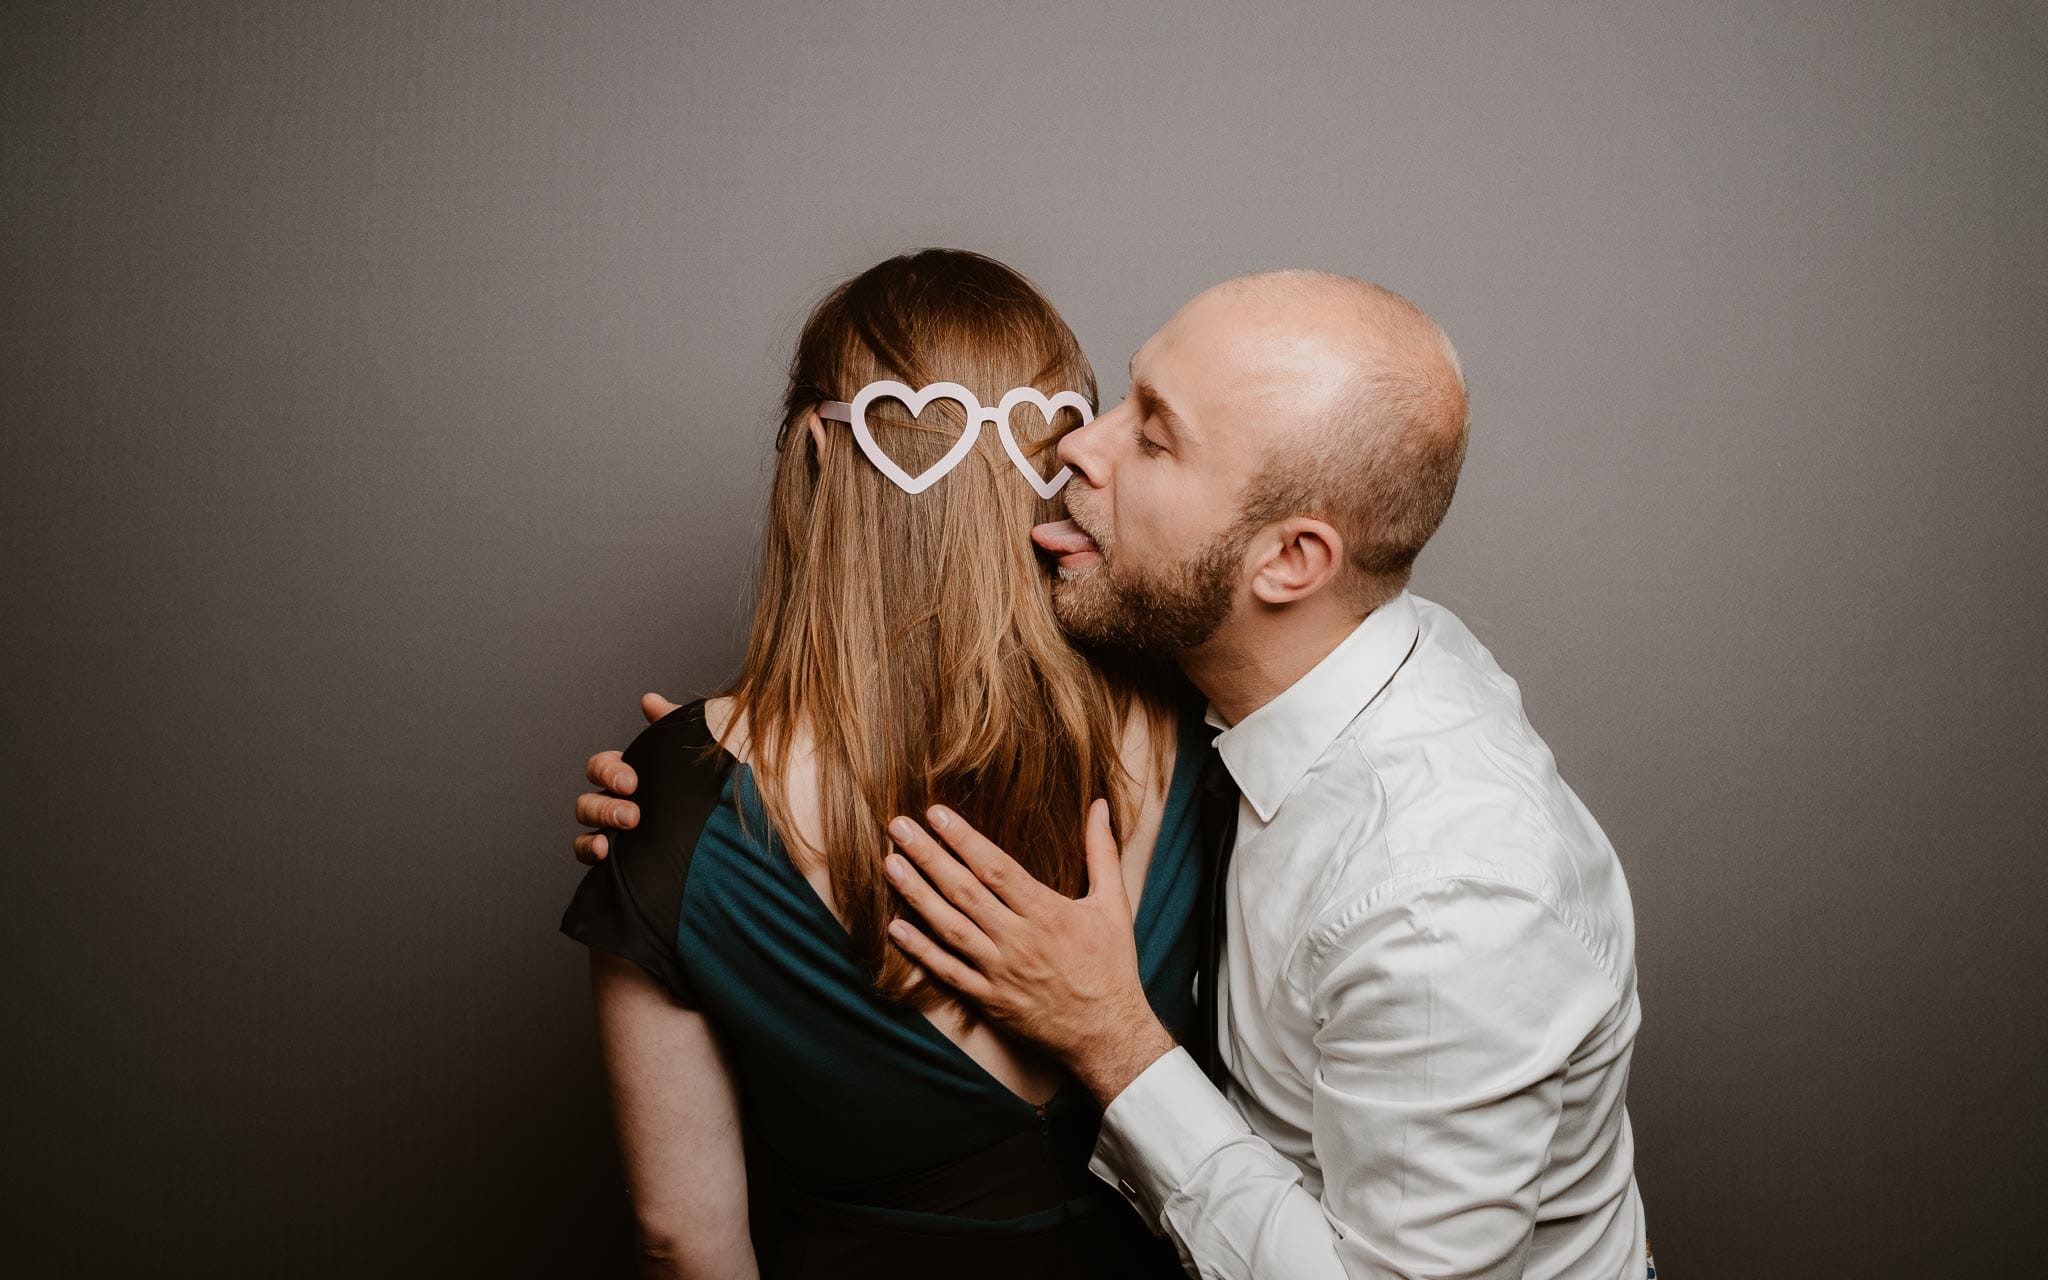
[{"x": 678, "y": 1119}]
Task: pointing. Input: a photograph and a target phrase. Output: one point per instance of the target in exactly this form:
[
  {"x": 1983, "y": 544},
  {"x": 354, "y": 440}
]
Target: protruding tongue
[{"x": 1062, "y": 538}]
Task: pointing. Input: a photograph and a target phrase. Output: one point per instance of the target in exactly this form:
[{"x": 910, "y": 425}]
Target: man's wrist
[{"x": 1108, "y": 1063}]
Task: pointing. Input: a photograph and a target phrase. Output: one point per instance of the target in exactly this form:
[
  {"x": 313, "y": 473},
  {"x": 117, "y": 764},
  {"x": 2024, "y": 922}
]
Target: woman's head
[
  {"x": 910, "y": 637},
  {"x": 939, "y": 315}
]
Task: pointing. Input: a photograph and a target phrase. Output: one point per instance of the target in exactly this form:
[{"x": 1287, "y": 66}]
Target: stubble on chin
[
  {"x": 1091, "y": 609},
  {"x": 1077, "y": 602},
  {"x": 1162, "y": 613}
]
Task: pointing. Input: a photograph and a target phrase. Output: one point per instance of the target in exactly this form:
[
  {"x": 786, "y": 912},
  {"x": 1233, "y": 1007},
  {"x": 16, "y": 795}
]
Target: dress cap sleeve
[{"x": 631, "y": 903}]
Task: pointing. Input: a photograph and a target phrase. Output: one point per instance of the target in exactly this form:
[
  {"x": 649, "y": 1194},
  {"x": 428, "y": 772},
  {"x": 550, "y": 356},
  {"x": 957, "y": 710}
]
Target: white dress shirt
[{"x": 1429, "y": 994}]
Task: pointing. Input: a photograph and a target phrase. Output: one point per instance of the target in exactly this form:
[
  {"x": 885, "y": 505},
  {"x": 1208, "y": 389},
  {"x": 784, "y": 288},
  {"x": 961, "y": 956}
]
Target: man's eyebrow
[{"x": 1156, "y": 406}]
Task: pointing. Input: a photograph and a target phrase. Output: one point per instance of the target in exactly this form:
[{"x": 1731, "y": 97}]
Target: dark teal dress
[{"x": 875, "y": 1145}]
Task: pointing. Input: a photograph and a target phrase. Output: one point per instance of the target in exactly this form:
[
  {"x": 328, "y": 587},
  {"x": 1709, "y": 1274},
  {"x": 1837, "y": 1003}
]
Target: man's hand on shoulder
[
  {"x": 608, "y": 807},
  {"x": 1060, "y": 972}
]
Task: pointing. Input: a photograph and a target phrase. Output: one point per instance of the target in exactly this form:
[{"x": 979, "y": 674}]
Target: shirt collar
[{"x": 1269, "y": 750}]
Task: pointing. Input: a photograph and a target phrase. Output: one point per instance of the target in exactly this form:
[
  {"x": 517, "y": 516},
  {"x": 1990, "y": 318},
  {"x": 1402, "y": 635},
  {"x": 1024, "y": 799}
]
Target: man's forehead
[{"x": 1216, "y": 351}]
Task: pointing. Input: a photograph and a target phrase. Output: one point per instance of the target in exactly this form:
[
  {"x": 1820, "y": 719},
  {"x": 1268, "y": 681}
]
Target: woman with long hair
[{"x": 792, "y": 1097}]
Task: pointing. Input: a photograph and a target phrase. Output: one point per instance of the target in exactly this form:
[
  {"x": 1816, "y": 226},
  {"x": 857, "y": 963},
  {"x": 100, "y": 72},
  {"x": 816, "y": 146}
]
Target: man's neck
[{"x": 1260, "y": 652}]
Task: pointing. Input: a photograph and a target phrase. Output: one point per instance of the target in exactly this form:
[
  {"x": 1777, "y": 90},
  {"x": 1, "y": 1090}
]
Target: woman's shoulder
[
  {"x": 631, "y": 903},
  {"x": 685, "y": 730},
  {"x": 680, "y": 774},
  {"x": 682, "y": 754}
]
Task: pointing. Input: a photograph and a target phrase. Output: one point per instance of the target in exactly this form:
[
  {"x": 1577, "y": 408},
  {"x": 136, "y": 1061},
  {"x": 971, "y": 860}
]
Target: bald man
[{"x": 1422, "y": 1005}]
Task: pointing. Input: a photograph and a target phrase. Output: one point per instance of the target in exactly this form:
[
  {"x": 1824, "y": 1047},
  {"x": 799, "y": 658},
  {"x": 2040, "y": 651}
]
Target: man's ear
[
  {"x": 817, "y": 426},
  {"x": 1302, "y": 555}
]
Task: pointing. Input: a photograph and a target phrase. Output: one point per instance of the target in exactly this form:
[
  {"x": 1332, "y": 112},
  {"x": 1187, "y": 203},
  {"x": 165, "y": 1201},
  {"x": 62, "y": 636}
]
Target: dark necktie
[{"x": 1219, "y": 832}]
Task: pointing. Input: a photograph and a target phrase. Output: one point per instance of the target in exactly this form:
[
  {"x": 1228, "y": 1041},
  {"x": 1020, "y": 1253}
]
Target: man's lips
[{"x": 1066, "y": 540}]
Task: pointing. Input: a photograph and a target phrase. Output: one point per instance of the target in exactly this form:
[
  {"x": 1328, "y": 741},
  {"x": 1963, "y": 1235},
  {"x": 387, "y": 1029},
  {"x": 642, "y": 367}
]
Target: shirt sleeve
[
  {"x": 630, "y": 904},
  {"x": 1446, "y": 1019}
]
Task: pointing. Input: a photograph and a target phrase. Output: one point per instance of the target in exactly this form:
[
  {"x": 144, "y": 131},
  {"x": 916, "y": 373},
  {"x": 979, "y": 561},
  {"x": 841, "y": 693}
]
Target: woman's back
[
  {"x": 877, "y": 1134},
  {"x": 1018, "y": 1066}
]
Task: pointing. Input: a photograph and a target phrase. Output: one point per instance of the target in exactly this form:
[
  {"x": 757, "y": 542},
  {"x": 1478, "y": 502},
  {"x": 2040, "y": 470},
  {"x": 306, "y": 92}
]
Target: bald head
[
  {"x": 1344, "y": 334},
  {"x": 1367, "y": 420}
]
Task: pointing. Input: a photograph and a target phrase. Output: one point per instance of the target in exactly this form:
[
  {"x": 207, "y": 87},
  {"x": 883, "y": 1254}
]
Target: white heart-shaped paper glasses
[{"x": 855, "y": 415}]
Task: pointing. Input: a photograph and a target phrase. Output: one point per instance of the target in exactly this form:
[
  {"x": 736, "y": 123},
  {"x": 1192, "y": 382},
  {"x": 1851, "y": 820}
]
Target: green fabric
[{"x": 843, "y": 1089}]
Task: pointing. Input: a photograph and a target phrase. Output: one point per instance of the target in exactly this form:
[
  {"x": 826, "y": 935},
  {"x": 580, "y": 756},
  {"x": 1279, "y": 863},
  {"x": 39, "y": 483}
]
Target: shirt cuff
[{"x": 1159, "y": 1130}]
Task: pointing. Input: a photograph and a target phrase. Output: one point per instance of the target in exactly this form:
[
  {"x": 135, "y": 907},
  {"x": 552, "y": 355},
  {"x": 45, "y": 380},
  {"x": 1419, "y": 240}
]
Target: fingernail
[
  {"x": 903, "y": 829},
  {"x": 898, "y": 929},
  {"x": 892, "y": 866},
  {"x": 941, "y": 817},
  {"x": 618, "y": 817}
]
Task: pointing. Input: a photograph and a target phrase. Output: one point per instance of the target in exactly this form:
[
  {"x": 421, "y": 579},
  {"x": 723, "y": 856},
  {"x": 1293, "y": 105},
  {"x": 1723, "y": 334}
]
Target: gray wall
[{"x": 386, "y": 393}]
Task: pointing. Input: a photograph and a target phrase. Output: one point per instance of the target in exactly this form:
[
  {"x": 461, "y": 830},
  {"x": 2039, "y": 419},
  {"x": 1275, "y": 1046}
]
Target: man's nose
[{"x": 1083, "y": 450}]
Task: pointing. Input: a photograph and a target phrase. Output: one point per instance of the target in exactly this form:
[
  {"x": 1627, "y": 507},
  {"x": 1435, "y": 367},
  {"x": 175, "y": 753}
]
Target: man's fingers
[
  {"x": 654, "y": 706},
  {"x": 994, "y": 868},
  {"x": 602, "y": 809},
  {"x": 954, "y": 929},
  {"x": 939, "y": 962},
  {"x": 949, "y": 874},
  {"x": 608, "y": 769},
  {"x": 606, "y": 808},
  {"x": 1105, "y": 859}
]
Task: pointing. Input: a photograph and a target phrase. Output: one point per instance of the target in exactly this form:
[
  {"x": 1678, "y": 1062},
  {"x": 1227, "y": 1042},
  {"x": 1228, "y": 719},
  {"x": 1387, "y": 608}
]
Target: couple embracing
[{"x": 1103, "y": 865}]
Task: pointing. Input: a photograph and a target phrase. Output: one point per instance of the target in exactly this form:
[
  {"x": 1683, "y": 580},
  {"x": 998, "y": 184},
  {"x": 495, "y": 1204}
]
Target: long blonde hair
[{"x": 911, "y": 637}]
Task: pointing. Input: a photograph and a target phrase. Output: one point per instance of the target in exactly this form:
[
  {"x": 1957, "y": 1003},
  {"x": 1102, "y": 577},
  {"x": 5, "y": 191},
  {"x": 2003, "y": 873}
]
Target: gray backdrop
[{"x": 387, "y": 391}]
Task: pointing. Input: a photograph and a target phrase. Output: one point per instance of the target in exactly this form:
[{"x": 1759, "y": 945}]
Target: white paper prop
[{"x": 856, "y": 416}]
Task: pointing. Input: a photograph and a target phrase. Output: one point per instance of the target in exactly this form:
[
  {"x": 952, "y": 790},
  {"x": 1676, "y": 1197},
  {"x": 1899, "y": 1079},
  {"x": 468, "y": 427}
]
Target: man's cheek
[{"x": 1154, "y": 538}]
